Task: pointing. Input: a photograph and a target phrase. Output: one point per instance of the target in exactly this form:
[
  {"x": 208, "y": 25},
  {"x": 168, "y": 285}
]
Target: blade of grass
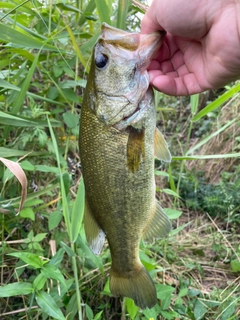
[
  {"x": 6, "y": 85},
  {"x": 8, "y": 34},
  {"x": 206, "y": 157},
  {"x": 66, "y": 215},
  {"x": 217, "y": 103},
  {"x": 89, "y": 9},
  {"x": 104, "y": 11},
  {"x": 204, "y": 141},
  {"x": 123, "y": 6},
  {"x": 17, "y": 121},
  {"x": 77, "y": 212},
  {"x": 22, "y": 94},
  {"x": 64, "y": 197},
  {"x": 194, "y": 99},
  {"x": 76, "y": 48},
  {"x": 10, "y": 153}
]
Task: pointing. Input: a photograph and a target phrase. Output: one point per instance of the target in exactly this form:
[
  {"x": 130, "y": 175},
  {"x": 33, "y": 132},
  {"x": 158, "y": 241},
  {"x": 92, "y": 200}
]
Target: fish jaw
[
  {"x": 128, "y": 55},
  {"x": 138, "y": 119}
]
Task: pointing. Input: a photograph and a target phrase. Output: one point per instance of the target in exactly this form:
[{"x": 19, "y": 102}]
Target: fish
[{"x": 118, "y": 143}]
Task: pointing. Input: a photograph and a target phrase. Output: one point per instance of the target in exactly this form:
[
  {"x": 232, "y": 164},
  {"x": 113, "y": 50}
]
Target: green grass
[{"x": 47, "y": 270}]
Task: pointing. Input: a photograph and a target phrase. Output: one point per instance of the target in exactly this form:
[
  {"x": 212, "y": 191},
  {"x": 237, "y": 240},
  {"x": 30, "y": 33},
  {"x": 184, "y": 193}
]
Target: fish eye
[{"x": 101, "y": 61}]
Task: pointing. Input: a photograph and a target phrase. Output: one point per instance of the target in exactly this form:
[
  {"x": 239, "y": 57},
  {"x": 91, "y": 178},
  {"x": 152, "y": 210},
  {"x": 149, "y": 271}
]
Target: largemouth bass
[{"x": 118, "y": 141}]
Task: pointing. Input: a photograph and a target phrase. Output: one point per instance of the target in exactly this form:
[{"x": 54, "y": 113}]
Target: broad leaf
[{"x": 49, "y": 306}]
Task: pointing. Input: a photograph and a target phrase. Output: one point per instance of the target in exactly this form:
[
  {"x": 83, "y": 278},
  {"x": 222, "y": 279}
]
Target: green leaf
[
  {"x": 104, "y": 11},
  {"x": 164, "y": 293},
  {"x": 106, "y": 289},
  {"x": 78, "y": 211},
  {"x": 164, "y": 290},
  {"x": 57, "y": 258},
  {"x": 68, "y": 250},
  {"x": 63, "y": 191},
  {"x": 22, "y": 94},
  {"x": 206, "y": 157},
  {"x": 217, "y": 103},
  {"x": 122, "y": 13},
  {"x": 179, "y": 229},
  {"x": 6, "y": 85},
  {"x": 98, "y": 315},
  {"x": 194, "y": 103},
  {"x": 54, "y": 219},
  {"x": 183, "y": 292},
  {"x": 27, "y": 213},
  {"x": 29, "y": 258},
  {"x": 26, "y": 165},
  {"x": 39, "y": 237},
  {"x": 209, "y": 137},
  {"x": 39, "y": 282},
  {"x": 8, "y": 34},
  {"x": 70, "y": 119},
  {"x": 170, "y": 192},
  {"x": 161, "y": 173},
  {"x": 199, "y": 310},
  {"x": 14, "y": 289},
  {"x": 172, "y": 213},
  {"x": 51, "y": 271},
  {"x": 235, "y": 265},
  {"x": 132, "y": 309},
  {"x": 46, "y": 168},
  {"x": 89, "y": 312},
  {"x": 76, "y": 47},
  {"x": 48, "y": 305},
  {"x": 150, "y": 313},
  {"x": 230, "y": 310},
  {"x": 17, "y": 121}
]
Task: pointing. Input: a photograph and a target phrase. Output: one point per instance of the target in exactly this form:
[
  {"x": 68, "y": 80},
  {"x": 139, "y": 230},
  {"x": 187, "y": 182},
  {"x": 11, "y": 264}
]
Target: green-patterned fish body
[{"x": 117, "y": 139}]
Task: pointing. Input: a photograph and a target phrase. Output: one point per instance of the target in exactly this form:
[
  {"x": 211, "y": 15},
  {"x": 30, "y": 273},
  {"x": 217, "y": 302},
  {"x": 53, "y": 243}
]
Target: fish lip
[{"x": 149, "y": 45}]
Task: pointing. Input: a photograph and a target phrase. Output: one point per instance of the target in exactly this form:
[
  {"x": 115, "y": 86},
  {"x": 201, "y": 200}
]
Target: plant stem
[{"x": 78, "y": 293}]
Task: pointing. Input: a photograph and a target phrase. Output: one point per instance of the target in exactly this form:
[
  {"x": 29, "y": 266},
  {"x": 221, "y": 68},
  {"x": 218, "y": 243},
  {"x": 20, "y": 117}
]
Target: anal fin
[
  {"x": 158, "y": 226},
  {"x": 161, "y": 150},
  {"x": 94, "y": 234}
]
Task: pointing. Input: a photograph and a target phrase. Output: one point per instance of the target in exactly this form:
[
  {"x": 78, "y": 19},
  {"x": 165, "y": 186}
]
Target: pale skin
[{"x": 201, "y": 49}]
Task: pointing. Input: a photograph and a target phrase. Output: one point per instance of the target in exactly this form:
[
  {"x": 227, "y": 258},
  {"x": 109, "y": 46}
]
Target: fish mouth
[
  {"x": 134, "y": 119},
  {"x": 142, "y": 46}
]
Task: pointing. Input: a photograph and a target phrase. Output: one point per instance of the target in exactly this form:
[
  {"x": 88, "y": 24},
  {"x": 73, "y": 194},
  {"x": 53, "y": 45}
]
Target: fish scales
[{"x": 117, "y": 134}]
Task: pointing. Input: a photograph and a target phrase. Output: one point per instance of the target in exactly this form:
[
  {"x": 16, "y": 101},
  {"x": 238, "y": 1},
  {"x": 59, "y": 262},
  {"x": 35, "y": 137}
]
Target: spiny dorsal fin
[
  {"x": 94, "y": 234},
  {"x": 158, "y": 225},
  {"x": 135, "y": 148},
  {"x": 161, "y": 150}
]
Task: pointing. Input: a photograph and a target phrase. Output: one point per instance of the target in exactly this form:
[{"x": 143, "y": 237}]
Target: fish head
[{"x": 119, "y": 72}]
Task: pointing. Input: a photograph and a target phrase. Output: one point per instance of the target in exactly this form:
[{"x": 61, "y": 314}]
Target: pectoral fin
[
  {"x": 135, "y": 148},
  {"x": 161, "y": 148},
  {"x": 158, "y": 225},
  {"x": 94, "y": 234}
]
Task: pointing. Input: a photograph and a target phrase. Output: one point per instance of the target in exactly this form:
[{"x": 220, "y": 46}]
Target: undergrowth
[{"x": 47, "y": 270}]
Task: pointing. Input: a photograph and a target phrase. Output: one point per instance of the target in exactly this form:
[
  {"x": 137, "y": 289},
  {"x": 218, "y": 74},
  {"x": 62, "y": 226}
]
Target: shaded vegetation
[{"x": 47, "y": 271}]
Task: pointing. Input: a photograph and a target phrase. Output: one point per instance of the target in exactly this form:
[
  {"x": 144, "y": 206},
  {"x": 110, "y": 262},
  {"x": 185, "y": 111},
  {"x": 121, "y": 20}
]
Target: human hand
[{"x": 201, "y": 49}]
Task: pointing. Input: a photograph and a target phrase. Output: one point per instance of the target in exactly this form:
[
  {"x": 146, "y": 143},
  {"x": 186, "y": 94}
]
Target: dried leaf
[{"x": 16, "y": 169}]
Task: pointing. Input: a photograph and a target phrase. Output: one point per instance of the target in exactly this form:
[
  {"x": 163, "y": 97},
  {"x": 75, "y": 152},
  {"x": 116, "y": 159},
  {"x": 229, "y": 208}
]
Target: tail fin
[{"x": 136, "y": 285}]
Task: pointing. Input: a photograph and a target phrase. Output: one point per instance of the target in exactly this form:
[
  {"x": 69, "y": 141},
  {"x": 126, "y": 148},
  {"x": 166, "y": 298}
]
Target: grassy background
[{"x": 47, "y": 270}]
